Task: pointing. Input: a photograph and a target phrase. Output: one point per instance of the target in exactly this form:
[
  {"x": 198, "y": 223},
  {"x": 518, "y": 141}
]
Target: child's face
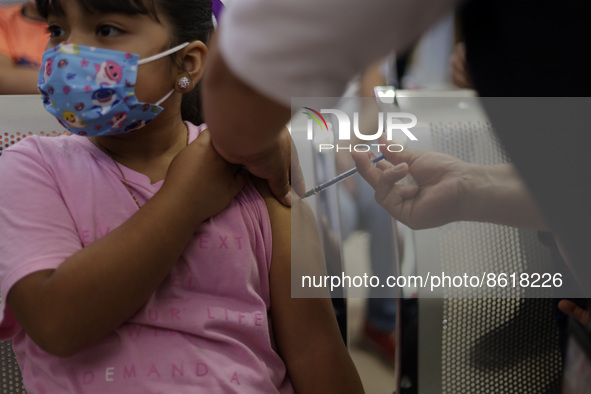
[{"x": 137, "y": 33}]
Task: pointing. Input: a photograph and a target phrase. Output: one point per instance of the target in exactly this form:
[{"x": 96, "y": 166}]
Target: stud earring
[{"x": 183, "y": 82}]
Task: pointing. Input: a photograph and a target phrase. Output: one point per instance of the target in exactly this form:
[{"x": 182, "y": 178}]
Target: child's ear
[{"x": 192, "y": 59}]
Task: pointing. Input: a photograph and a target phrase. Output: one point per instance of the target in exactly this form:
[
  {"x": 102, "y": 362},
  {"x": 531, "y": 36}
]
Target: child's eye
[
  {"x": 108, "y": 31},
  {"x": 55, "y": 31}
]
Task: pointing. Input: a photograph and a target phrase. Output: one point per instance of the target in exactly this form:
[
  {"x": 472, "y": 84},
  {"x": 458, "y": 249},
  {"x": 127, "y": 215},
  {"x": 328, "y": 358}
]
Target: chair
[
  {"x": 20, "y": 116},
  {"x": 494, "y": 340}
]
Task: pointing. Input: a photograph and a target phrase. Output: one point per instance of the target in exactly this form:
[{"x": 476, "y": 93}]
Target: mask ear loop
[
  {"x": 162, "y": 54},
  {"x": 163, "y": 99}
]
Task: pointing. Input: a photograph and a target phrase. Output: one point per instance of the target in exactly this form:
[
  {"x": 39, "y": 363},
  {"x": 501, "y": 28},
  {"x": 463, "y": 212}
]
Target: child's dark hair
[{"x": 190, "y": 20}]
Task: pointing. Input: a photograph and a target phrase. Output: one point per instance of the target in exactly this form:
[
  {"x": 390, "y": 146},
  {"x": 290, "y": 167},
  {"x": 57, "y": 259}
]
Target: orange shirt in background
[{"x": 21, "y": 39}]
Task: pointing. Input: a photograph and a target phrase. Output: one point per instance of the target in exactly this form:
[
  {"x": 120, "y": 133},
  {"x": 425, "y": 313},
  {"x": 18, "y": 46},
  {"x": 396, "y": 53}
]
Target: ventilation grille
[
  {"x": 498, "y": 341},
  {"x": 11, "y": 374},
  {"x": 9, "y": 139}
]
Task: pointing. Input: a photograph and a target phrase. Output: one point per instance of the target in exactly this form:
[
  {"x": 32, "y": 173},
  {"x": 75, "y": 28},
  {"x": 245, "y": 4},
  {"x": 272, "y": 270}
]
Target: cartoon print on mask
[
  {"x": 69, "y": 48},
  {"x": 136, "y": 125},
  {"x": 109, "y": 73},
  {"x": 104, "y": 99},
  {"x": 47, "y": 68},
  {"x": 118, "y": 120},
  {"x": 45, "y": 96},
  {"x": 62, "y": 63},
  {"x": 72, "y": 119}
]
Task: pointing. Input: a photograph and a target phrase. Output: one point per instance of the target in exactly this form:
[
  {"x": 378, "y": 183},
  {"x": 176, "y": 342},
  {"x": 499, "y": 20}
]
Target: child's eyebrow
[{"x": 54, "y": 8}]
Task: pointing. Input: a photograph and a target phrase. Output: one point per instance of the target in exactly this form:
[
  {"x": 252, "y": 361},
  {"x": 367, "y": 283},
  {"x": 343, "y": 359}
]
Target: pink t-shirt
[{"x": 205, "y": 330}]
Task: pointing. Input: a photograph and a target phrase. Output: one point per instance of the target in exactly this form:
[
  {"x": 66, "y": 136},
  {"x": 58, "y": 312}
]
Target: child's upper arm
[{"x": 306, "y": 330}]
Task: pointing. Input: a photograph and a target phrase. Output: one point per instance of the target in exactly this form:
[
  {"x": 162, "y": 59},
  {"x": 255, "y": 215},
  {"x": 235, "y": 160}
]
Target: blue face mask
[{"x": 91, "y": 90}]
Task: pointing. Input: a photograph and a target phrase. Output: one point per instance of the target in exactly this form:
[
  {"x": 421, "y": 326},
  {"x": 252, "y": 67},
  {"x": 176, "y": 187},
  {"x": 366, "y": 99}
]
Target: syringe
[{"x": 337, "y": 179}]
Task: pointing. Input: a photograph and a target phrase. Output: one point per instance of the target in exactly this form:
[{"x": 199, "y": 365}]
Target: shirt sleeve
[
  {"x": 36, "y": 229},
  {"x": 312, "y": 48}
]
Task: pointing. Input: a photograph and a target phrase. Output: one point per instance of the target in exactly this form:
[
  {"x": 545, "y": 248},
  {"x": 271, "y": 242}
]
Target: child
[{"x": 134, "y": 258}]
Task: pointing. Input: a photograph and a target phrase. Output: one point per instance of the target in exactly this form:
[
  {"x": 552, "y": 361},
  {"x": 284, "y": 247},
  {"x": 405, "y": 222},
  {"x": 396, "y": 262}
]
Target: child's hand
[{"x": 201, "y": 180}]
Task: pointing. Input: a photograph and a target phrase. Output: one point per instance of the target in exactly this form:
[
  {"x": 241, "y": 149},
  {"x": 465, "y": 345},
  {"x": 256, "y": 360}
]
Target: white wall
[{"x": 6, "y": 2}]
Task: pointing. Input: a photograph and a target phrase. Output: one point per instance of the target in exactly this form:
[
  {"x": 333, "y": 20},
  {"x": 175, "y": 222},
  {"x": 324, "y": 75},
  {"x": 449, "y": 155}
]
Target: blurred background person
[
  {"x": 23, "y": 37},
  {"x": 459, "y": 71}
]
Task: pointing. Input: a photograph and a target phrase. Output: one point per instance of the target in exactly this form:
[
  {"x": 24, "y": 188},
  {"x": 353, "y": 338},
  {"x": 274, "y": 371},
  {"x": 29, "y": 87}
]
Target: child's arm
[
  {"x": 306, "y": 330},
  {"x": 102, "y": 285}
]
